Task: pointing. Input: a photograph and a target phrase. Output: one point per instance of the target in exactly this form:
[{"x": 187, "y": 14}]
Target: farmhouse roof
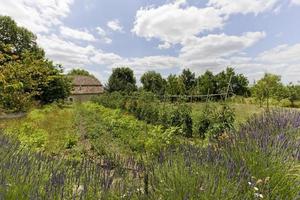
[
  {"x": 85, "y": 85},
  {"x": 85, "y": 81}
]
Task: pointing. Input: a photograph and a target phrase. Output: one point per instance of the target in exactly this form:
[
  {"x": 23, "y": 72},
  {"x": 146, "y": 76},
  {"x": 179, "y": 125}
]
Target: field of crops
[{"x": 89, "y": 151}]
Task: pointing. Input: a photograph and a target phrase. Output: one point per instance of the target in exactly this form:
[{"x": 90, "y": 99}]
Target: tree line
[{"x": 187, "y": 83}]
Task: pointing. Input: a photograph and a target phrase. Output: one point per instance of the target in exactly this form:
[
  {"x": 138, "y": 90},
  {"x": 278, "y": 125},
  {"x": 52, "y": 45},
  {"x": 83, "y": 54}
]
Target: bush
[{"x": 213, "y": 122}]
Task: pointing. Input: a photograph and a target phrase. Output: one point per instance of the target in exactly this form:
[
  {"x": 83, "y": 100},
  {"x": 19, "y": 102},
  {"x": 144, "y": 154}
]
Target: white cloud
[
  {"x": 288, "y": 54},
  {"x": 295, "y": 2},
  {"x": 173, "y": 22},
  {"x": 165, "y": 45},
  {"x": 215, "y": 46},
  {"x": 115, "y": 25},
  {"x": 76, "y": 34},
  {"x": 143, "y": 64},
  {"x": 243, "y": 6},
  {"x": 103, "y": 35},
  {"x": 38, "y": 16},
  {"x": 73, "y": 55}
]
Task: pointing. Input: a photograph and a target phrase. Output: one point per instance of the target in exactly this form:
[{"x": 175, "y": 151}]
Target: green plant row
[
  {"x": 91, "y": 129},
  {"x": 212, "y": 123}
]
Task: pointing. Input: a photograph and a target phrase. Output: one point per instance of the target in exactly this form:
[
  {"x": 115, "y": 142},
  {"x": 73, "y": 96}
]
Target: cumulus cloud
[
  {"x": 103, "y": 35},
  {"x": 73, "y": 55},
  {"x": 244, "y": 7},
  {"x": 36, "y": 15},
  {"x": 76, "y": 34},
  {"x": 215, "y": 46},
  {"x": 288, "y": 54},
  {"x": 173, "y": 22},
  {"x": 115, "y": 25}
]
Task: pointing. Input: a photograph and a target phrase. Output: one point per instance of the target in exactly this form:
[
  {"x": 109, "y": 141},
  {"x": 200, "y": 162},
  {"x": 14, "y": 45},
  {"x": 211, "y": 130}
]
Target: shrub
[{"x": 213, "y": 122}]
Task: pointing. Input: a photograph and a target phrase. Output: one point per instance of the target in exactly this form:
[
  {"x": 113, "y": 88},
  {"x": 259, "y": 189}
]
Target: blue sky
[{"x": 253, "y": 36}]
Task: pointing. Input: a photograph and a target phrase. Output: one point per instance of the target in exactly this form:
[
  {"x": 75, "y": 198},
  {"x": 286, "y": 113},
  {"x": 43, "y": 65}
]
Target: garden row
[
  {"x": 89, "y": 129},
  {"x": 211, "y": 123}
]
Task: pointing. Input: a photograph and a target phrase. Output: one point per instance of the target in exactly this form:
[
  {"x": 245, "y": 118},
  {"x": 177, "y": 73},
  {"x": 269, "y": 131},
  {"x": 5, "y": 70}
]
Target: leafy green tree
[
  {"x": 153, "y": 82},
  {"x": 269, "y": 86},
  {"x": 17, "y": 39},
  {"x": 80, "y": 72},
  {"x": 189, "y": 80},
  {"x": 25, "y": 74},
  {"x": 122, "y": 80},
  {"x": 293, "y": 93},
  {"x": 175, "y": 85},
  {"x": 238, "y": 82},
  {"x": 206, "y": 83}
]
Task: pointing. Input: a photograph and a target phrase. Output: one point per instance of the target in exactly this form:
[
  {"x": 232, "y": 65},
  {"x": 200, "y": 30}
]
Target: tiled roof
[
  {"x": 86, "y": 85},
  {"x": 85, "y": 81}
]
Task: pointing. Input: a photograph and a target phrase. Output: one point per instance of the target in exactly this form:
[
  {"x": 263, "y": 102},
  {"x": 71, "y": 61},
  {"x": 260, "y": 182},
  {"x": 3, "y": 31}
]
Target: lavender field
[{"x": 259, "y": 161}]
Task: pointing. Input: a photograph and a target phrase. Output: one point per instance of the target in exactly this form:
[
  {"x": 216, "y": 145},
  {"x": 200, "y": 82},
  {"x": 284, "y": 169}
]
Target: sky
[{"x": 252, "y": 36}]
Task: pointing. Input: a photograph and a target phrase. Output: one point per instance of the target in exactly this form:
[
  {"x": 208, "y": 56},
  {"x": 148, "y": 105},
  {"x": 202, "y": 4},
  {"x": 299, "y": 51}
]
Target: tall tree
[
  {"x": 17, "y": 39},
  {"x": 206, "y": 83},
  {"x": 238, "y": 82},
  {"x": 188, "y": 79},
  {"x": 25, "y": 74},
  {"x": 175, "y": 85},
  {"x": 122, "y": 80},
  {"x": 269, "y": 86},
  {"x": 153, "y": 82}
]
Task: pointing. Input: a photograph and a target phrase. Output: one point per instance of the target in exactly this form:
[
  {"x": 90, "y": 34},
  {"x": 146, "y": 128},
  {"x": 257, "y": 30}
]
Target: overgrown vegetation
[
  {"x": 91, "y": 130},
  {"x": 261, "y": 161},
  {"x": 146, "y": 106}
]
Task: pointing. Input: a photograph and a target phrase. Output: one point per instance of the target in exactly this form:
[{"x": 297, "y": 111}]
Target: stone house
[{"x": 85, "y": 88}]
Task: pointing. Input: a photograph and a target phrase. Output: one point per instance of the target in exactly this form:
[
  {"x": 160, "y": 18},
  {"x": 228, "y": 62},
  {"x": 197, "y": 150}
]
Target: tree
[
  {"x": 269, "y": 86},
  {"x": 18, "y": 39},
  {"x": 153, "y": 82},
  {"x": 175, "y": 85},
  {"x": 206, "y": 83},
  {"x": 80, "y": 72},
  {"x": 25, "y": 74},
  {"x": 238, "y": 82},
  {"x": 122, "y": 80},
  {"x": 293, "y": 93},
  {"x": 189, "y": 80}
]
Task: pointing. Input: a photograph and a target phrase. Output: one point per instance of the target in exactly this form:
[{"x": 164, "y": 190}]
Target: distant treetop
[{"x": 81, "y": 72}]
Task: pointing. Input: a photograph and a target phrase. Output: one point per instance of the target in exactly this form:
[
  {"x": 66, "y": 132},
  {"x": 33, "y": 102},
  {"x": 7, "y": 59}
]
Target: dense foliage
[
  {"x": 122, "y": 80},
  {"x": 25, "y": 73},
  {"x": 261, "y": 161},
  {"x": 188, "y": 84},
  {"x": 89, "y": 129},
  {"x": 153, "y": 82},
  {"x": 147, "y": 107}
]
